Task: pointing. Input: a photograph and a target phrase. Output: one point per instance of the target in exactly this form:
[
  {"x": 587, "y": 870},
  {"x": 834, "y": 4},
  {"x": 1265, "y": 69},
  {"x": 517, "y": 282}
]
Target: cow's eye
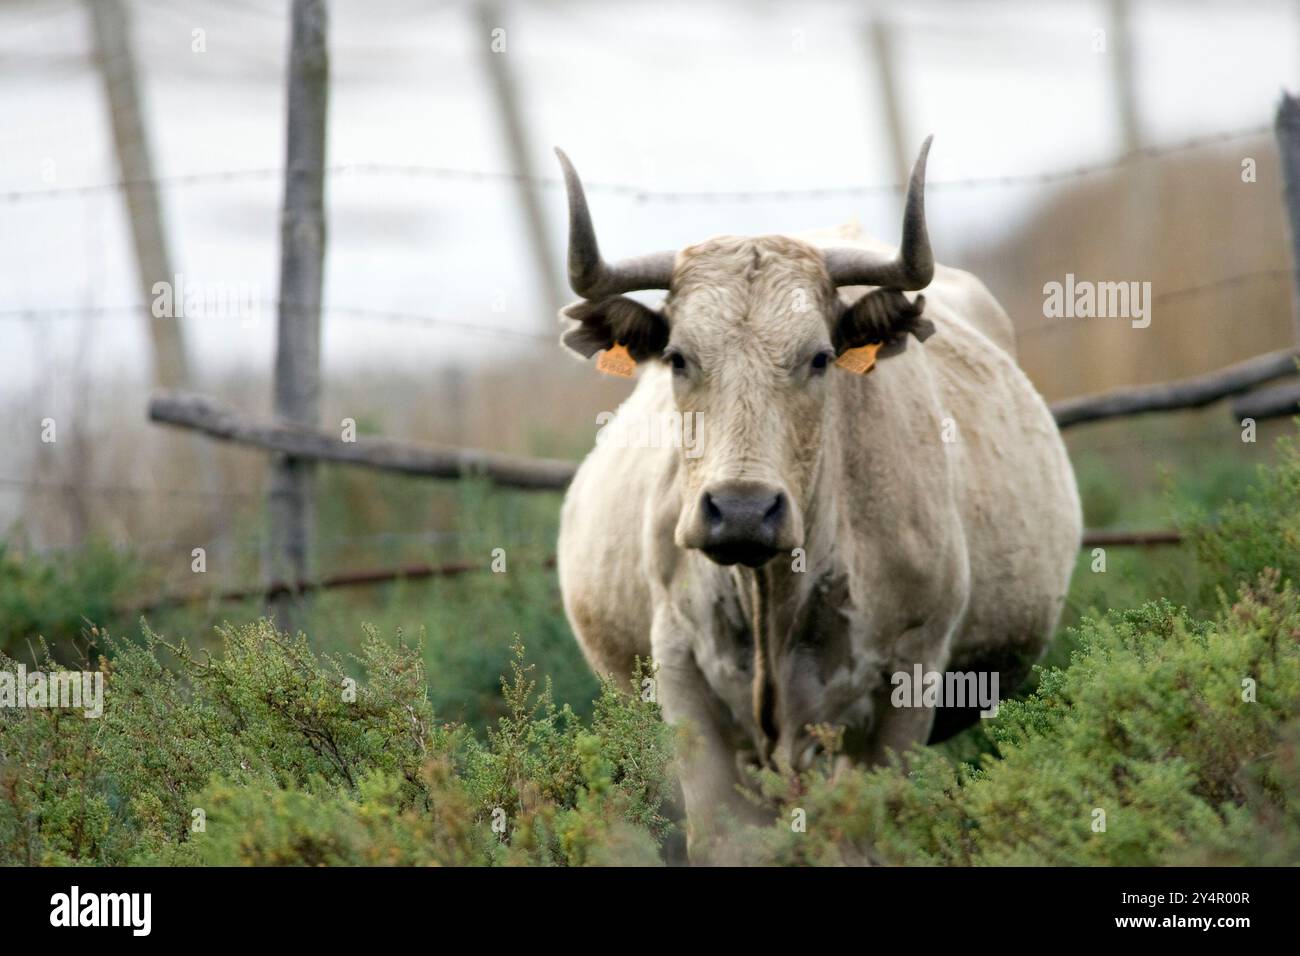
[
  {"x": 820, "y": 361},
  {"x": 677, "y": 361}
]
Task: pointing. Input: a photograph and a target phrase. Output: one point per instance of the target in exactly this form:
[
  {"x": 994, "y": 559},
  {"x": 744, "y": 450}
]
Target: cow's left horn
[
  {"x": 913, "y": 267},
  {"x": 591, "y": 276}
]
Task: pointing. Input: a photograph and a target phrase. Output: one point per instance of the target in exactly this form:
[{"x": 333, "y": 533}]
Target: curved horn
[
  {"x": 591, "y": 276},
  {"x": 913, "y": 267}
]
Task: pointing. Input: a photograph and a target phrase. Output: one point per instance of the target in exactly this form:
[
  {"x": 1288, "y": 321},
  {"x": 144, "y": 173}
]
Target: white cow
[{"x": 832, "y": 528}]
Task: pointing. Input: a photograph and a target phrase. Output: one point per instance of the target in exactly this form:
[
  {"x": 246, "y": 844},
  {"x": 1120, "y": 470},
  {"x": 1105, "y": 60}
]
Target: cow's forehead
[
  {"x": 749, "y": 262},
  {"x": 757, "y": 280}
]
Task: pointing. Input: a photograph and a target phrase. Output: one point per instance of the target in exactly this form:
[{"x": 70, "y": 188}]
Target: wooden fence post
[
  {"x": 117, "y": 68},
  {"x": 1120, "y": 50},
  {"x": 1288, "y": 146},
  {"x": 880, "y": 46},
  {"x": 302, "y": 250},
  {"x": 115, "y": 52},
  {"x": 493, "y": 40}
]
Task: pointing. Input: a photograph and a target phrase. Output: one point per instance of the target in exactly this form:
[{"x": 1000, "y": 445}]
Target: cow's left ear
[
  {"x": 617, "y": 320},
  {"x": 882, "y": 317}
]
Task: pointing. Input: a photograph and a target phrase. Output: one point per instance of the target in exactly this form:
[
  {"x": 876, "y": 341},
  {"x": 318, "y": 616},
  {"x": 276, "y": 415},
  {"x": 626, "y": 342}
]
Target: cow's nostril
[
  {"x": 776, "y": 512},
  {"x": 712, "y": 513}
]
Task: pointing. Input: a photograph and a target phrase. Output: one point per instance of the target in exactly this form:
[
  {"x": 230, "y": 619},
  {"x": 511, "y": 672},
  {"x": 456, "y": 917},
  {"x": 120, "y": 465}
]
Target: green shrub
[
  {"x": 56, "y": 596},
  {"x": 270, "y": 754},
  {"x": 1261, "y": 531},
  {"x": 539, "y": 753}
]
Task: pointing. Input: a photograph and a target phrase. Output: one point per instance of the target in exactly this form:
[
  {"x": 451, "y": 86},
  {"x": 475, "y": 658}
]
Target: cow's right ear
[
  {"x": 617, "y": 320},
  {"x": 882, "y": 317}
]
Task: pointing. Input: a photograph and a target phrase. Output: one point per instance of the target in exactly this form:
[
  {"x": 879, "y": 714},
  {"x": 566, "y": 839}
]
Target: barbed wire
[
  {"x": 327, "y": 543},
  {"x": 1050, "y": 326},
  {"x": 356, "y": 312},
  {"x": 1160, "y": 441},
  {"x": 636, "y": 192},
  {"x": 63, "y": 487},
  {"x": 417, "y": 318}
]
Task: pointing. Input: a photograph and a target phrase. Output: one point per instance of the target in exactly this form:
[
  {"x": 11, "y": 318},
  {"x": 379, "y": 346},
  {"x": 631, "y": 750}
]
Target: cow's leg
[
  {"x": 897, "y": 729},
  {"x": 1011, "y": 663},
  {"x": 705, "y": 756}
]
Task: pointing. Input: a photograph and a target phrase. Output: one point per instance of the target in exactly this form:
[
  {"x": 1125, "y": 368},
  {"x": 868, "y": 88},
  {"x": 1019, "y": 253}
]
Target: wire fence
[
  {"x": 634, "y": 192},
  {"x": 362, "y": 313},
  {"x": 233, "y": 315},
  {"x": 1054, "y": 326},
  {"x": 465, "y": 541},
  {"x": 110, "y": 490},
  {"x": 640, "y": 193}
]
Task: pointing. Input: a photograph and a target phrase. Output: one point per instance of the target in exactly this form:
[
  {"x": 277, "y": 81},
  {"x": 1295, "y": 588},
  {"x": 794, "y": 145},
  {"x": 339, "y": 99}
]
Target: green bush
[
  {"x": 269, "y": 754},
  {"x": 469, "y": 617},
  {"x": 1177, "y": 734},
  {"x": 56, "y": 596},
  {"x": 1261, "y": 531}
]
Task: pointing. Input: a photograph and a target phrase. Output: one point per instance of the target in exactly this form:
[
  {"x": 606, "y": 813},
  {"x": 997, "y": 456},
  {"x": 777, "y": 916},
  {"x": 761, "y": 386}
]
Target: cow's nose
[{"x": 743, "y": 521}]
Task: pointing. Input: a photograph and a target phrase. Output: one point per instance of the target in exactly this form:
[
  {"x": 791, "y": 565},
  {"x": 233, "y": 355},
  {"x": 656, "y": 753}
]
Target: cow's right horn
[
  {"x": 591, "y": 276},
  {"x": 913, "y": 267}
]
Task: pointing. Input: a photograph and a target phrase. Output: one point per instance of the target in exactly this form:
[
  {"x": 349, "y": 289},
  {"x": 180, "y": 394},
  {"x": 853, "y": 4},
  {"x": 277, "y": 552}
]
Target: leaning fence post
[
  {"x": 144, "y": 209},
  {"x": 1288, "y": 147},
  {"x": 880, "y": 49},
  {"x": 291, "y": 506},
  {"x": 493, "y": 39}
]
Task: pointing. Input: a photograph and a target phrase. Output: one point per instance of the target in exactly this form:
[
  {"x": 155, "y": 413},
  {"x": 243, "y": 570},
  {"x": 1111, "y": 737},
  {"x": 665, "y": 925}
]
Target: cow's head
[{"x": 751, "y": 330}]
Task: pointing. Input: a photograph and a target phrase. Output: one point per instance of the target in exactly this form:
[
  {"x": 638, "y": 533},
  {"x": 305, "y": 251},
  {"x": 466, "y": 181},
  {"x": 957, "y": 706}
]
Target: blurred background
[{"x": 1103, "y": 138}]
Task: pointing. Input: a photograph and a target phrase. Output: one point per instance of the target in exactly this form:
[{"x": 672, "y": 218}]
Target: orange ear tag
[
  {"x": 860, "y": 360},
  {"x": 616, "y": 361}
]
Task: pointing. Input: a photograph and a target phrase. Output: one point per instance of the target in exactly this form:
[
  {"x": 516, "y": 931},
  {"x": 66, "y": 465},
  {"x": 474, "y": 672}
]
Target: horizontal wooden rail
[
  {"x": 344, "y": 579},
  {"x": 1268, "y": 402},
  {"x": 1138, "y": 539},
  {"x": 548, "y": 474},
  {"x": 511, "y": 471},
  {"x": 1184, "y": 393}
]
